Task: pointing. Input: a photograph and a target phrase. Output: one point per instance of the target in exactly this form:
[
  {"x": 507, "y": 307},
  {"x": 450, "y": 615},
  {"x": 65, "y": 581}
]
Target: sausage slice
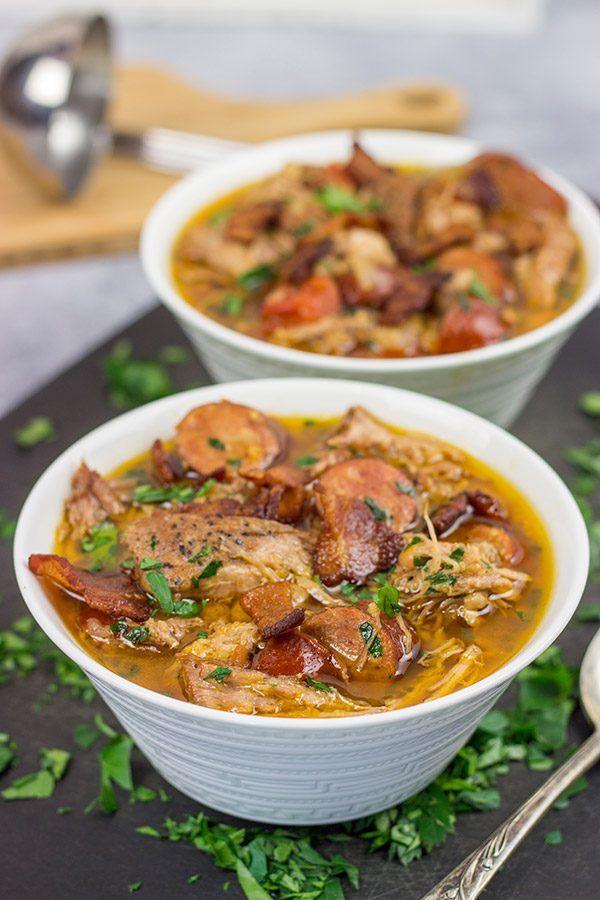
[
  {"x": 228, "y": 434},
  {"x": 297, "y": 654},
  {"x": 386, "y": 490}
]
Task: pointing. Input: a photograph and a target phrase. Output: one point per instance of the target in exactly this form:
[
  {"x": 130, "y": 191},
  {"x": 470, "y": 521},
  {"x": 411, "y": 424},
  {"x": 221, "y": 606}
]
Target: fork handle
[
  {"x": 469, "y": 878},
  {"x": 172, "y": 151}
]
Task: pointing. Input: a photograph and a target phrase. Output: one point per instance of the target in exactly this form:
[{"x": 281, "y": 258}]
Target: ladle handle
[
  {"x": 172, "y": 151},
  {"x": 469, "y": 878}
]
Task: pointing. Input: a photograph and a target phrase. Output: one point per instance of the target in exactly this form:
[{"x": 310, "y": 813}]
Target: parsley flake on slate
[
  {"x": 553, "y": 838},
  {"x": 85, "y": 735},
  {"x": 40, "y": 785},
  {"x": 174, "y": 355},
  {"x": 219, "y": 674},
  {"x": 589, "y": 613},
  {"x": 8, "y": 751},
  {"x": 134, "y": 886},
  {"x": 8, "y": 526},
  {"x": 133, "y": 382},
  {"x": 38, "y": 430}
]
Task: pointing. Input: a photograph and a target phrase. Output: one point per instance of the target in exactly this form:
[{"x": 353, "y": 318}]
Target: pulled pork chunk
[
  {"x": 353, "y": 544},
  {"x": 459, "y": 580},
  {"x": 252, "y": 692},
  {"x": 154, "y": 634},
  {"x": 115, "y": 595},
  {"x": 225, "y": 642},
  {"x": 93, "y": 500},
  {"x": 243, "y": 553},
  {"x": 271, "y": 607},
  {"x": 362, "y": 168}
]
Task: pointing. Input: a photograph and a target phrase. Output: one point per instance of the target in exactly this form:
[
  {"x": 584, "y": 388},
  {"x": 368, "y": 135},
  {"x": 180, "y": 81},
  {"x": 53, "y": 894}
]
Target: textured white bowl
[
  {"x": 494, "y": 381},
  {"x": 304, "y": 771}
]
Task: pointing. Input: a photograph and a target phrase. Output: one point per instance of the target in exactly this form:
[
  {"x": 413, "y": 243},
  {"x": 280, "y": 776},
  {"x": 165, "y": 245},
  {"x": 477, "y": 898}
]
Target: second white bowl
[{"x": 494, "y": 382}]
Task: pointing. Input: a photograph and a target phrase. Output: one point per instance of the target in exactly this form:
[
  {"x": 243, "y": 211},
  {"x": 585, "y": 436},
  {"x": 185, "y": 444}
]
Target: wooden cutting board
[{"x": 107, "y": 215}]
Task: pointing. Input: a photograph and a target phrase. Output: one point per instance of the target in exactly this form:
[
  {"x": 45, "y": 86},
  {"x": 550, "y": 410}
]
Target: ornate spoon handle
[{"x": 469, "y": 878}]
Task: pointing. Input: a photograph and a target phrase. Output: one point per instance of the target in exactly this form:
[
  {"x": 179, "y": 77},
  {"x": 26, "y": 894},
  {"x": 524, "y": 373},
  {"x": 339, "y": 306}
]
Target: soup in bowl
[
  {"x": 417, "y": 260},
  {"x": 248, "y": 574}
]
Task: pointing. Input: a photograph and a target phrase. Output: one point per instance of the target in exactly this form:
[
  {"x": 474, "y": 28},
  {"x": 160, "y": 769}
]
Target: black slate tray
[{"x": 95, "y": 856}]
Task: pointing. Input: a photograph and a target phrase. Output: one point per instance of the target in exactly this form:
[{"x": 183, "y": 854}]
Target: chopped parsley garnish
[
  {"x": 221, "y": 215},
  {"x": 135, "y": 635},
  {"x": 478, "y": 289},
  {"x": 186, "y": 608},
  {"x": 205, "y": 488},
  {"x": 256, "y": 277},
  {"x": 386, "y": 599},
  {"x": 200, "y": 554},
  {"x": 201, "y": 634},
  {"x": 132, "y": 382},
  {"x": 148, "y": 493},
  {"x": 40, "y": 785},
  {"x": 318, "y": 685},
  {"x": 147, "y": 564},
  {"x": 305, "y": 461},
  {"x": 420, "y": 561},
  {"x": 159, "y": 587},
  {"x": 337, "y": 199},
  {"x": 210, "y": 569},
  {"x": 219, "y": 674},
  {"x": 405, "y": 488},
  {"x": 378, "y": 513},
  {"x": 367, "y": 632},
  {"x": 38, "y": 430},
  {"x": 100, "y": 544},
  {"x": 216, "y": 443},
  {"x": 457, "y": 554},
  {"x": 232, "y": 305},
  {"x": 414, "y": 540},
  {"x": 303, "y": 229},
  {"x": 590, "y": 613},
  {"x": 236, "y": 463}
]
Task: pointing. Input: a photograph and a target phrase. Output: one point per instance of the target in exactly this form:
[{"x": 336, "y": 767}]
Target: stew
[
  {"x": 358, "y": 259},
  {"x": 298, "y": 567}
]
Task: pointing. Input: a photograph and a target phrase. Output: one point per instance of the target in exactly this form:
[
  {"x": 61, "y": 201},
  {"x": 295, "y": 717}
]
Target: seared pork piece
[
  {"x": 398, "y": 193},
  {"x": 115, "y": 595},
  {"x": 466, "y": 264},
  {"x": 368, "y": 645},
  {"x": 412, "y": 293},
  {"x": 387, "y": 491},
  {"x": 92, "y": 501},
  {"x": 518, "y": 189},
  {"x": 296, "y": 653},
  {"x": 271, "y": 607},
  {"x": 362, "y": 168},
  {"x": 227, "y": 642},
  {"x": 353, "y": 544},
  {"x": 253, "y": 692},
  {"x": 213, "y": 435},
  {"x": 300, "y": 266},
  {"x": 249, "y": 551}
]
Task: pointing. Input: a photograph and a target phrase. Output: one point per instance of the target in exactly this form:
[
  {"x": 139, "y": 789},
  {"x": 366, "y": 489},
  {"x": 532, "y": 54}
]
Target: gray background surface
[{"x": 537, "y": 94}]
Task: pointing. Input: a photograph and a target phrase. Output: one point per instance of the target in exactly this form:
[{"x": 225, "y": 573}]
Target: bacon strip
[
  {"x": 115, "y": 595},
  {"x": 270, "y": 606}
]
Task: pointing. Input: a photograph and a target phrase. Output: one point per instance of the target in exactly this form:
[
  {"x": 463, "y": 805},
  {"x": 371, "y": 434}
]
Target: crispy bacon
[
  {"x": 413, "y": 293},
  {"x": 115, "y": 595},
  {"x": 161, "y": 465},
  {"x": 451, "y": 514},
  {"x": 270, "y": 607},
  {"x": 300, "y": 266},
  {"x": 486, "y": 506},
  {"x": 353, "y": 544},
  {"x": 245, "y": 225}
]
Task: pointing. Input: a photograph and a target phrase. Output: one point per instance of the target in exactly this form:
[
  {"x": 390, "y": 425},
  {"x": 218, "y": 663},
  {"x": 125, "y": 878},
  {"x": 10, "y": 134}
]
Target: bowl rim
[
  {"x": 40, "y": 607},
  {"x": 161, "y": 281}
]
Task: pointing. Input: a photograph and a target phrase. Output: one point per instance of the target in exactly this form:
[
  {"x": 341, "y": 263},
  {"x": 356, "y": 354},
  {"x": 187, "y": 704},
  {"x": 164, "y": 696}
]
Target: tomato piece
[
  {"x": 469, "y": 324},
  {"x": 319, "y": 296}
]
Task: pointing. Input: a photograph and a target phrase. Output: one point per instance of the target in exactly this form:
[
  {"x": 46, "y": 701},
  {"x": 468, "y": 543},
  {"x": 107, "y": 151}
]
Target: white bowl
[
  {"x": 304, "y": 771},
  {"x": 494, "y": 381}
]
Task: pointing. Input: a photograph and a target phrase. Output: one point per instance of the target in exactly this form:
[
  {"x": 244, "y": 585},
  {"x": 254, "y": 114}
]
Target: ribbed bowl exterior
[
  {"x": 496, "y": 389},
  {"x": 300, "y": 777}
]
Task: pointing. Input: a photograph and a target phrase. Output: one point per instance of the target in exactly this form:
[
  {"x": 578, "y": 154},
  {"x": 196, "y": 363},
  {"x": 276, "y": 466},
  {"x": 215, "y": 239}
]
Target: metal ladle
[
  {"x": 470, "y": 877},
  {"x": 54, "y": 88}
]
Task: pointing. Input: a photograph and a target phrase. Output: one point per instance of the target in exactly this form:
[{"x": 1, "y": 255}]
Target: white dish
[
  {"x": 494, "y": 381},
  {"x": 304, "y": 771}
]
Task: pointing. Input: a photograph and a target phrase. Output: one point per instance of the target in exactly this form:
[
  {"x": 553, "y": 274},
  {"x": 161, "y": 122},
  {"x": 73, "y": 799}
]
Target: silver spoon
[
  {"x": 54, "y": 87},
  {"x": 469, "y": 878}
]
